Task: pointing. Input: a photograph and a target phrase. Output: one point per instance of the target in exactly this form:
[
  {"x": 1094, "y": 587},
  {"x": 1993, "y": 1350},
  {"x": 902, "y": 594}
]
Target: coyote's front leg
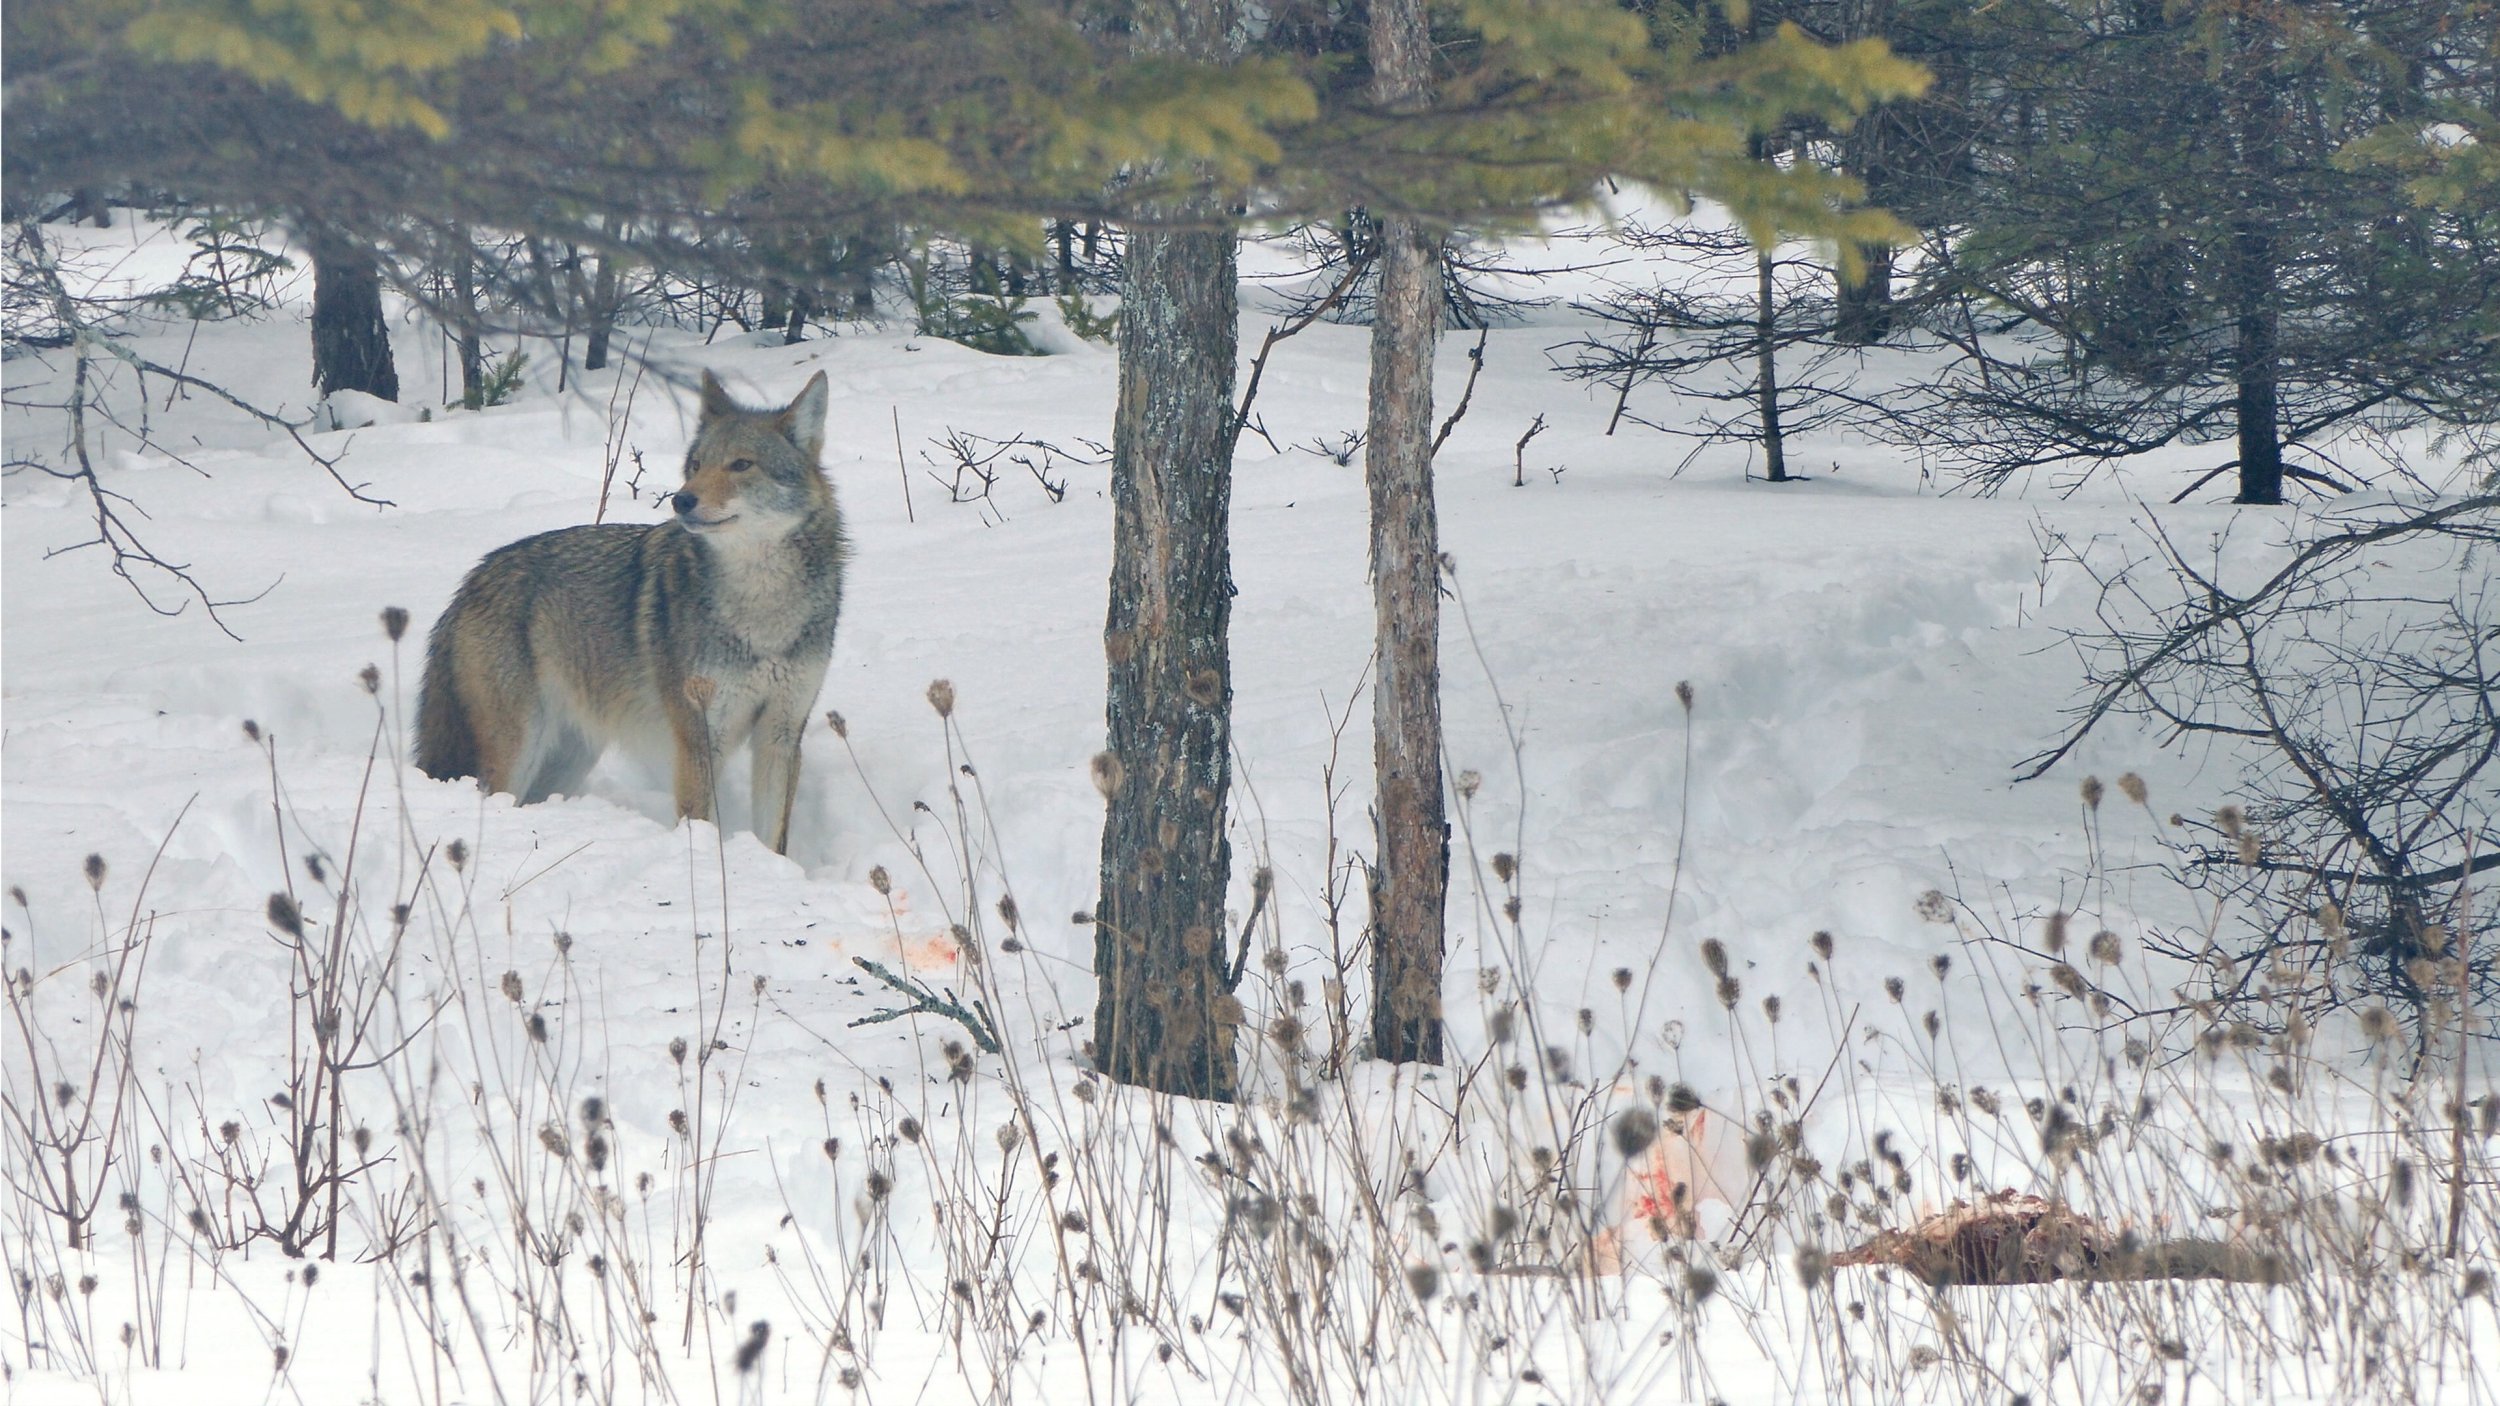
[
  {"x": 690, "y": 725},
  {"x": 778, "y": 730}
]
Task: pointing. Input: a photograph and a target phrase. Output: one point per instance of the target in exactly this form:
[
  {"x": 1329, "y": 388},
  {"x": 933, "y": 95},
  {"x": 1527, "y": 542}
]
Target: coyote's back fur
[{"x": 708, "y": 630}]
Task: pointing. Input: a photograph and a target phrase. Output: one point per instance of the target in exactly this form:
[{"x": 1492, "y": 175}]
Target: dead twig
[{"x": 975, "y": 1019}]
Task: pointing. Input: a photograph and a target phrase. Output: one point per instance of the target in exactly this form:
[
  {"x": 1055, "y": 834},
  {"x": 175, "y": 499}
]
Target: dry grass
[{"x": 1561, "y": 1214}]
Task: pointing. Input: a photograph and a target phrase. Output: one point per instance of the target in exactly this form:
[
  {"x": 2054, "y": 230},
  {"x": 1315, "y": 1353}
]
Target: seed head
[
  {"x": 1634, "y": 1130},
  {"x": 1684, "y": 694},
  {"x": 1813, "y": 1266},
  {"x": 370, "y": 676},
  {"x": 394, "y": 622},
  {"x": 1108, "y": 773},
  {"x": 834, "y": 720},
  {"x": 2092, "y": 793},
  {"x": 95, "y": 873},
  {"x": 283, "y": 914},
  {"x": 942, "y": 697},
  {"x": 2132, "y": 787},
  {"x": 752, "y": 1350}
]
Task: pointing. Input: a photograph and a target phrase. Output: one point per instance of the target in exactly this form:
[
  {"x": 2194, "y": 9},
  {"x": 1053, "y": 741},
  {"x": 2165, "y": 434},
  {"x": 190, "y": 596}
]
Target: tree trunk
[
  {"x": 472, "y": 351},
  {"x": 351, "y": 343},
  {"x": 2253, "y": 366},
  {"x": 794, "y": 331},
  {"x": 1164, "y": 1015},
  {"x": 2254, "y": 358},
  {"x": 602, "y": 314},
  {"x": 1766, "y": 369},
  {"x": 1410, "y": 871},
  {"x": 1862, "y": 315}
]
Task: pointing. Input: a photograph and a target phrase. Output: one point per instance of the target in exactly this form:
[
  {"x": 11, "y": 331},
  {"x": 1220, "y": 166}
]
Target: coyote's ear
[
  {"x": 716, "y": 401},
  {"x": 803, "y": 419}
]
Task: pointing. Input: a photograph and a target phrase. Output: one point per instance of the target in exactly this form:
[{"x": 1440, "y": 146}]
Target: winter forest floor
[{"x": 606, "y": 1128}]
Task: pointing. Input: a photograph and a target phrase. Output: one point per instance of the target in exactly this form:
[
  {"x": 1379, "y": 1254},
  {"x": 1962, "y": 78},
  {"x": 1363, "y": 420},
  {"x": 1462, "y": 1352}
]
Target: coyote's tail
[{"x": 446, "y": 743}]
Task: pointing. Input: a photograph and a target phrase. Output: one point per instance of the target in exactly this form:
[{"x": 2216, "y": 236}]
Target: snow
[{"x": 1867, "y": 660}]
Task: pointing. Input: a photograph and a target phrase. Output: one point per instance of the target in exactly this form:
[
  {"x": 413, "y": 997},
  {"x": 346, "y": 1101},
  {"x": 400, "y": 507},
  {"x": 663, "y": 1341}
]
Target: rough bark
[
  {"x": 2254, "y": 366},
  {"x": 1863, "y": 313},
  {"x": 1409, "y": 879},
  {"x": 1164, "y": 1015},
  {"x": 602, "y": 315},
  {"x": 350, "y": 341},
  {"x": 472, "y": 350},
  {"x": 1766, "y": 370}
]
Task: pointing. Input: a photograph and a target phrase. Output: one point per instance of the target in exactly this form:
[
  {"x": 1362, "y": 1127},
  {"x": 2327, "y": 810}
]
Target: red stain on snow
[
  {"x": 925, "y": 951},
  {"x": 1678, "y": 1159}
]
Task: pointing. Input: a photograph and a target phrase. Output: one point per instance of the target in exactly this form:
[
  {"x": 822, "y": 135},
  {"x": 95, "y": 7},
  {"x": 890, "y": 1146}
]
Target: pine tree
[
  {"x": 1410, "y": 867},
  {"x": 351, "y": 339},
  {"x": 2170, "y": 192},
  {"x": 1164, "y": 1014}
]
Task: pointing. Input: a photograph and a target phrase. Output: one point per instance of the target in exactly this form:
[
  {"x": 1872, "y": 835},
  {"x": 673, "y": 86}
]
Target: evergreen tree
[
  {"x": 351, "y": 340},
  {"x": 1164, "y": 1013},
  {"x": 1410, "y": 867},
  {"x": 2170, "y": 192}
]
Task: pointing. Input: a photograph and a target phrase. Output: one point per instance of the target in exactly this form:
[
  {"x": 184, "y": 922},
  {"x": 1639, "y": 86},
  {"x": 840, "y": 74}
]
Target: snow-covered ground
[{"x": 1867, "y": 658}]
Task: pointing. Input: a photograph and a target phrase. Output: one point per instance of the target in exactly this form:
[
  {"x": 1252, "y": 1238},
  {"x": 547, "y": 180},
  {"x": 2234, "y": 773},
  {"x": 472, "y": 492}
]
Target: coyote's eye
[{"x": 739, "y": 466}]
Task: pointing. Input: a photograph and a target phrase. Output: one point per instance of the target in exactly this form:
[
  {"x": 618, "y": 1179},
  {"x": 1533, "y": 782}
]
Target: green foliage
[
  {"x": 230, "y": 273},
  {"x": 2452, "y": 163},
  {"x": 370, "y": 59},
  {"x": 1538, "y": 101},
  {"x": 576, "y": 119},
  {"x": 1081, "y": 319},
  {"x": 2235, "y": 220},
  {"x": 501, "y": 383},
  {"x": 985, "y": 323},
  {"x": 980, "y": 316}
]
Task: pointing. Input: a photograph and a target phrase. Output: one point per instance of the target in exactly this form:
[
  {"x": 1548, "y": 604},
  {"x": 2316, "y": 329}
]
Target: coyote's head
[{"x": 753, "y": 473}]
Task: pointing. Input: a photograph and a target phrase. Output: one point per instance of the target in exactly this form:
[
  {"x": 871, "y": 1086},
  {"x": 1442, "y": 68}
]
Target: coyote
[{"x": 707, "y": 630}]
